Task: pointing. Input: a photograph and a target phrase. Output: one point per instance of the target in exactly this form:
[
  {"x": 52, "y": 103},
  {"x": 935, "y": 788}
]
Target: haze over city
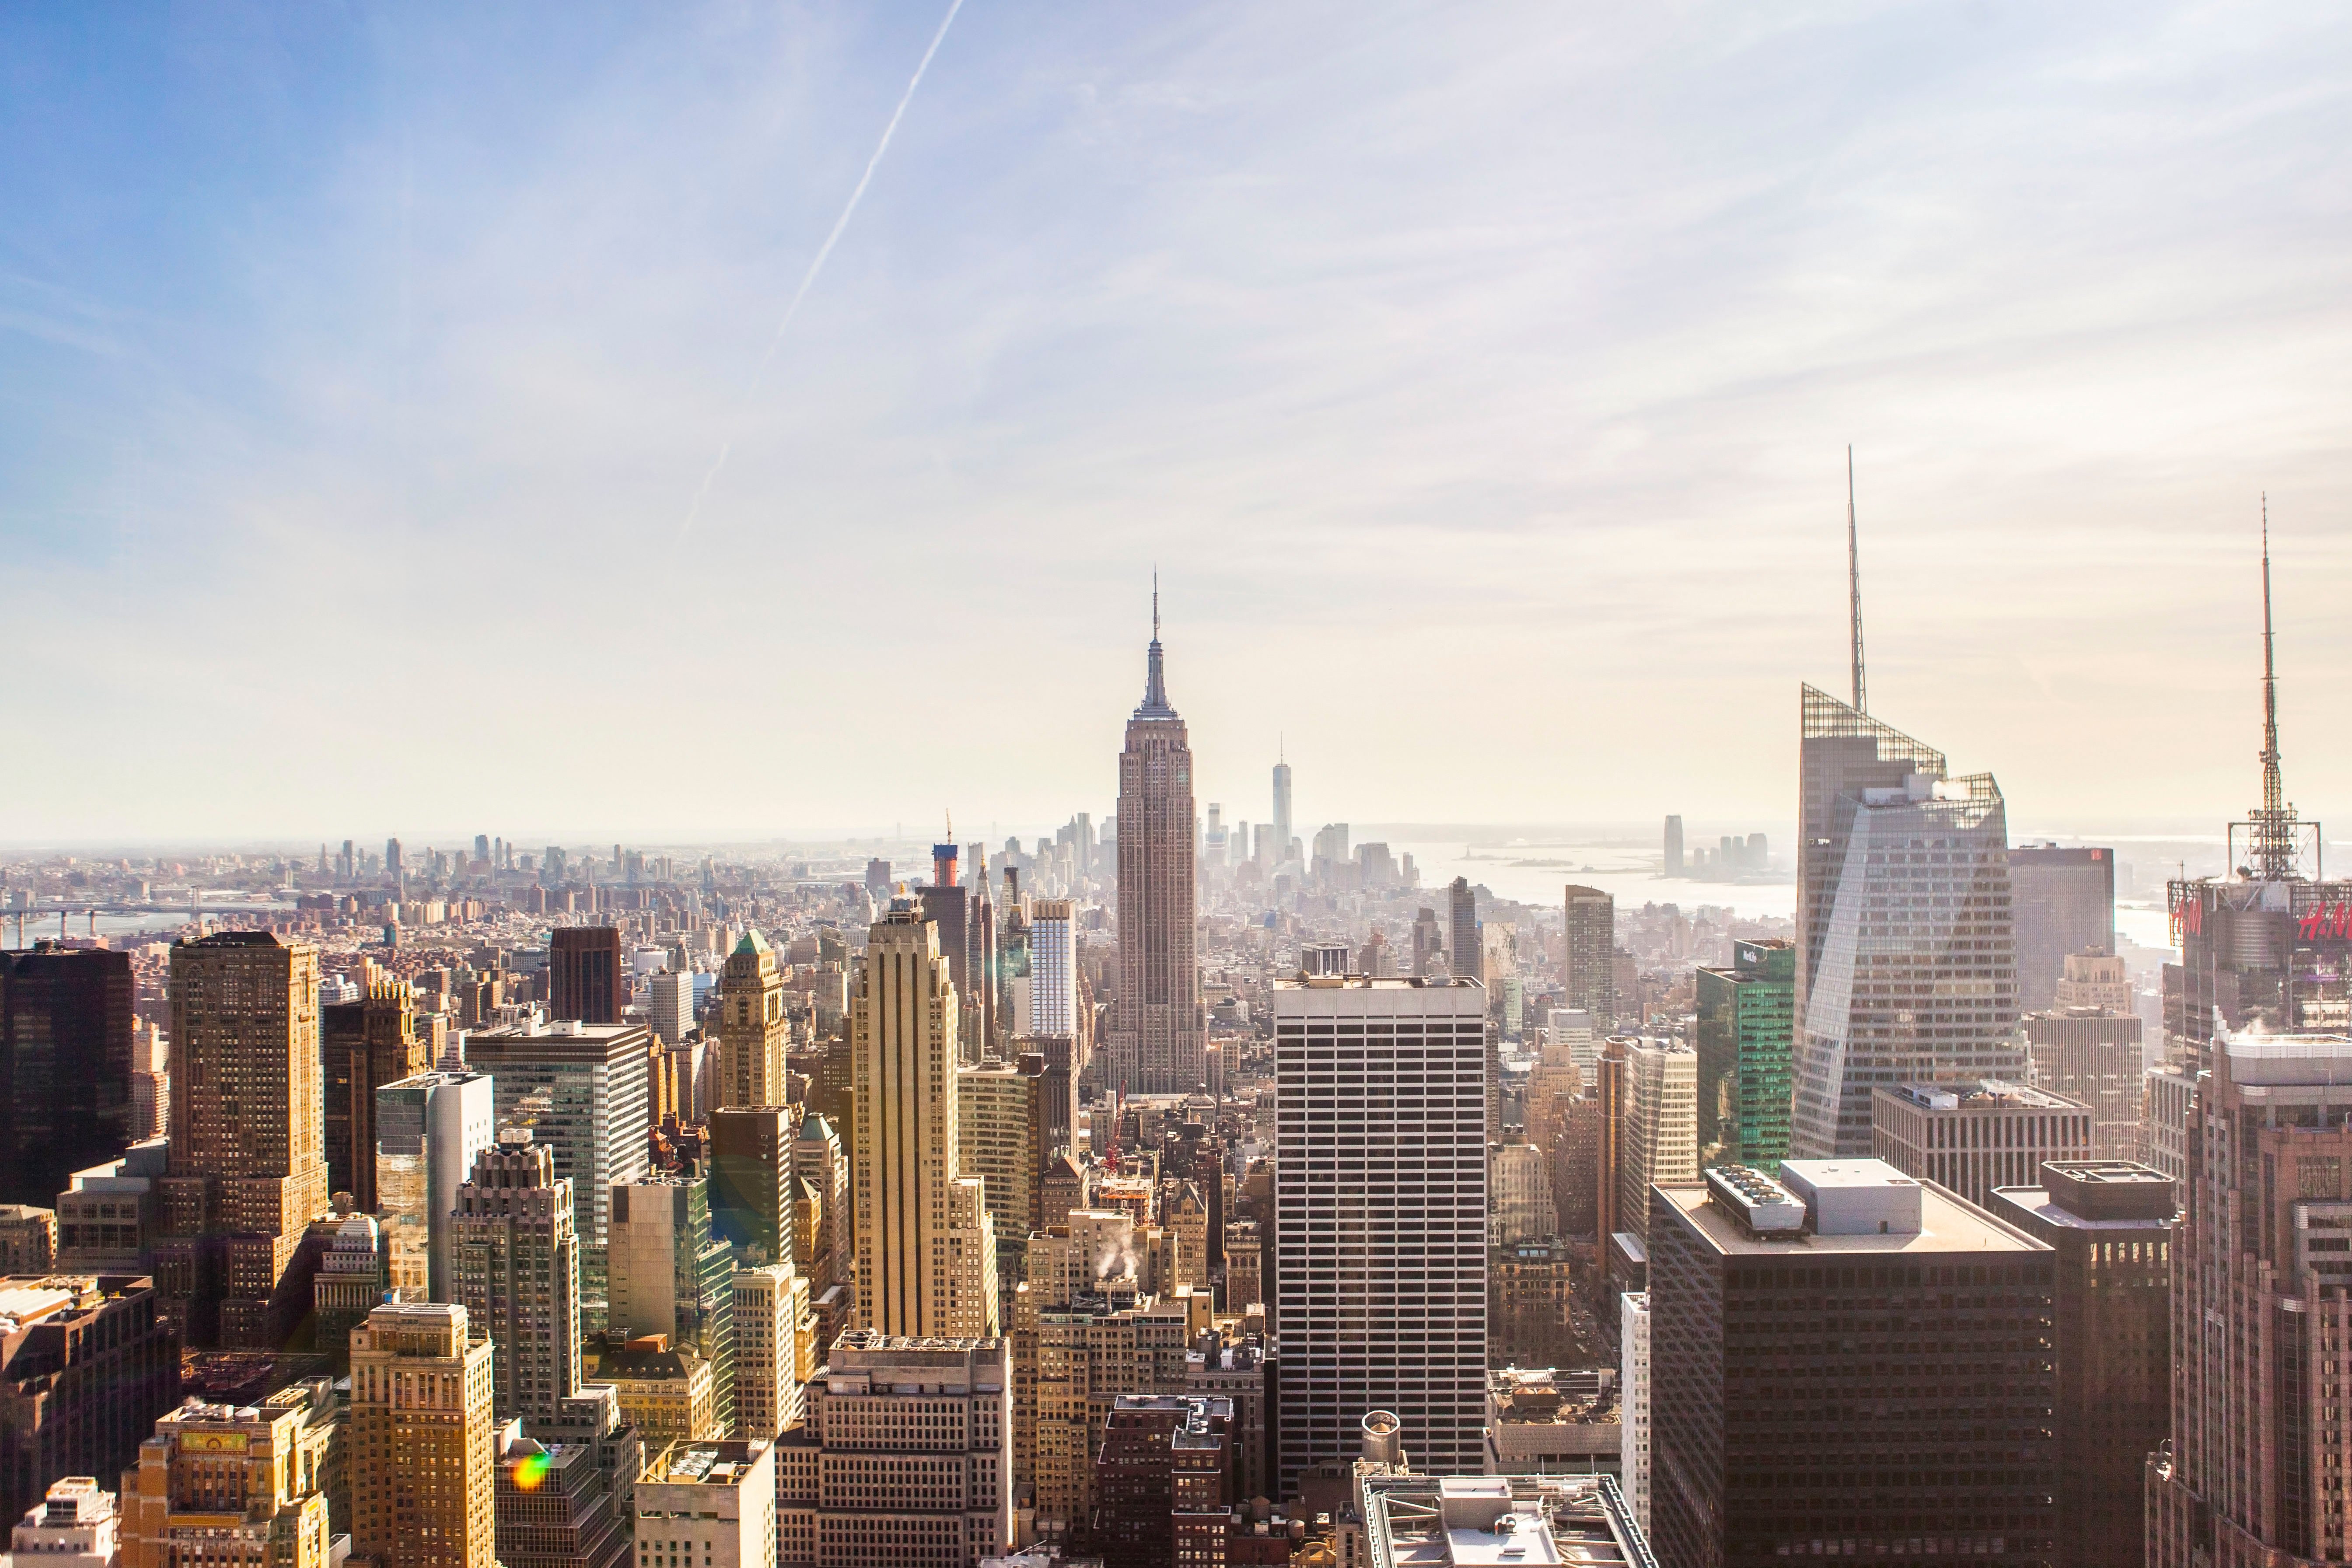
[{"x": 1479, "y": 380}]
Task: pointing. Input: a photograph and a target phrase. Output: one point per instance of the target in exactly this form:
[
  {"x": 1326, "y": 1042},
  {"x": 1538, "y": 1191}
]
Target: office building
[
  {"x": 222, "y": 1484},
  {"x": 68, "y": 1031},
  {"x": 665, "y": 1391},
  {"x": 753, "y": 1034},
  {"x": 669, "y": 1007},
  {"x": 1589, "y": 973},
  {"x": 2062, "y": 902},
  {"x": 516, "y": 1258},
  {"x": 74, "y": 1526},
  {"x": 2171, "y": 1095},
  {"x": 87, "y": 1363},
  {"x": 1519, "y": 1206},
  {"x": 587, "y": 975},
  {"x": 2110, "y": 1222},
  {"x": 1657, "y": 1126},
  {"x": 1236, "y": 1368},
  {"x": 585, "y": 1092},
  {"x": 999, "y": 1128},
  {"x": 1282, "y": 830},
  {"x": 368, "y": 1044},
  {"x": 2262, "y": 1316},
  {"x": 1633, "y": 1378},
  {"x": 1380, "y": 1197},
  {"x": 349, "y": 1284},
  {"x": 926, "y": 1249},
  {"x": 1853, "y": 1355},
  {"x": 2095, "y": 980},
  {"x": 424, "y": 1469},
  {"x": 1053, "y": 968},
  {"x": 28, "y": 1239},
  {"x": 1530, "y": 1292},
  {"x": 1905, "y": 943},
  {"x": 671, "y": 1277},
  {"x": 107, "y": 1216},
  {"x": 751, "y": 1165},
  {"x": 1673, "y": 861},
  {"x": 910, "y": 1461},
  {"x": 1413, "y": 1518},
  {"x": 429, "y": 1129},
  {"x": 246, "y": 1172},
  {"x": 775, "y": 1349},
  {"x": 709, "y": 1503},
  {"x": 1551, "y": 1420},
  {"x": 1465, "y": 950},
  {"x": 1163, "y": 1491},
  {"x": 553, "y": 1506},
  {"x": 1159, "y": 1031},
  {"x": 825, "y": 1219},
  {"x": 1747, "y": 1015},
  {"x": 1974, "y": 1137},
  {"x": 2093, "y": 1057}
]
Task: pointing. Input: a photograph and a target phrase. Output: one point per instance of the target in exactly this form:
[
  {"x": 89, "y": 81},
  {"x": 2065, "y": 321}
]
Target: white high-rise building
[
  {"x": 669, "y": 1006},
  {"x": 1658, "y": 1129},
  {"x": 428, "y": 1129},
  {"x": 1519, "y": 1200},
  {"x": 1633, "y": 1400},
  {"x": 1053, "y": 968},
  {"x": 1380, "y": 1193}
]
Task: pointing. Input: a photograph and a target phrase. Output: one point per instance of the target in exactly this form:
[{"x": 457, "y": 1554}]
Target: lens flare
[{"x": 531, "y": 1471}]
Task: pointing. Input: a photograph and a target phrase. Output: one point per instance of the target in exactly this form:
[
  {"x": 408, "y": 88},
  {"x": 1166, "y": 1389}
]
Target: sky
[{"x": 1477, "y": 378}]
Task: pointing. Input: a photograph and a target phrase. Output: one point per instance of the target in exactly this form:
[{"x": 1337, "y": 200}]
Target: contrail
[{"x": 817, "y": 266}]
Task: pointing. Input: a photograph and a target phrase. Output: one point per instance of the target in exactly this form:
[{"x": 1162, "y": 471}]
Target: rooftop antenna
[
  {"x": 2274, "y": 833},
  {"x": 1854, "y": 583}
]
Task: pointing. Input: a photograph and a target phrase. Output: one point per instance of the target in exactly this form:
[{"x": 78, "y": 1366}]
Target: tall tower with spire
[{"x": 1158, "y": 1034}]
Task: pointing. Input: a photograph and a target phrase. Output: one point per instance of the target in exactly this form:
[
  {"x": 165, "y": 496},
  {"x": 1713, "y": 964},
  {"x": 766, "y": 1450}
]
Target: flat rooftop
[
  {"x": 1947, "y": 1224},
  {"x": 1483, "y": 1521},
  {"x": 1991, "y": 1094},
  {"x": 2038, "y": 1201}
]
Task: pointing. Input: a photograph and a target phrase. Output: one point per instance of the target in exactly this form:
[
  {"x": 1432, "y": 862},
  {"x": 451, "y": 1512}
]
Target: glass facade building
[{"x": 1747, "y": 1020}]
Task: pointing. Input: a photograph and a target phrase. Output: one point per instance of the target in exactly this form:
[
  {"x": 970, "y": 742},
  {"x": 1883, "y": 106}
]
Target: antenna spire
[
  {"x": 1155, "y": 604},
  {"x": 2274, "y": 847},
  {"x": 1853, "y": 584},
  {"x": 1155, "y": 686}
]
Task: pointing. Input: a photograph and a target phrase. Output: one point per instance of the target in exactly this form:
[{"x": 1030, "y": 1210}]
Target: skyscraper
[
  {"x": 424, "y": 1473},
  {"x": 1658, "y": 1137},
  {"x": 84, "y": 1373},
  {"x": 999, "y": 1126},
  {"x": 428, "y": 1130},
  {"x": 819, "y": 1160},
  {"x": 2261, "y": 1311},
  {"x": 775, "y": 1334},
  {"x": 368, "y": 1043},
  {"x": 1053, "y": 968},
  {"x": 925, "y": 1252},
  {"x": 1746, "y": 1015},
  {"x": 585, "y": 1092},
  {"x": 670, "y": 1276},
  {"x": 1589, "y": 973},
  {"x": 1381, "y": 1203},
  {"x": 1851, "y": 1355},
  {"x": 1159, "y": 1031},
  {"x": 2062, "y": 901},
  {"x": 751, "y": 1162},
  {"x": 1281, "y": 808},
  {"x": 1464, "y": 948},
  {"x": 228, "y": 1484},
  {"x": 753, "y": 1035},
  {"x": 1905, "y": 939},
  {"x": 247, "y": 1172},
  {"x": 586, "y": 977},
  {"x": 1674, "y": 857},
  {"x": 67, "y": 1022},
  {"x": 518, "y": 1275}
]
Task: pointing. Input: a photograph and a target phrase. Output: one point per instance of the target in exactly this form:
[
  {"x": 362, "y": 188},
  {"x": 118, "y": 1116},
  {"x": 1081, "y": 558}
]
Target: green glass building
[{"x": 1747, "y": 1017}]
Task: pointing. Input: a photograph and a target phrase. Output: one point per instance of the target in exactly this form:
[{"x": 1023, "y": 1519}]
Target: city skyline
[{"x": 365, "y": 390}]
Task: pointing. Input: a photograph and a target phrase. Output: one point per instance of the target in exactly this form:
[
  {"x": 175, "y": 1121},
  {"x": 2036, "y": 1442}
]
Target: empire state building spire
[{"x": 1155, "y": 684}]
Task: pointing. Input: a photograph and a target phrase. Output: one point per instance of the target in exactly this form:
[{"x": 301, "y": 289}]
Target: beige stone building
[
  {"x": 775, "y": 1349},
  {"x": 997, "y": 1135},
  {"x": 666, "y": 1391},
  {"x": 236, "y": 1488},
  {"x": 1658, "y": 1126},
  {"x": 753, "y": 1032},
  {"x": 926, "y": 1248},
  {"x": 247, "y": 1169},
  {"x": 423, "y": 1462},
  {"x": 709, "y": 1504}
]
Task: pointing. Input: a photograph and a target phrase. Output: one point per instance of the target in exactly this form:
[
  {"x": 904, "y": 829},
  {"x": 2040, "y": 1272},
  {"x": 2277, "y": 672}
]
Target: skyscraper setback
[
  {"x": 1159, "y": 1032},
  {"x": 1905, "y": 944}
]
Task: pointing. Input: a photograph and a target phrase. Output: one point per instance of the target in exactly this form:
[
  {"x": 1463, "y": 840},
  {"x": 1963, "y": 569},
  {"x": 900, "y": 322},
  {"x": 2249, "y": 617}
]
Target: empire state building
[{"x": 1159, "y": 1037}]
